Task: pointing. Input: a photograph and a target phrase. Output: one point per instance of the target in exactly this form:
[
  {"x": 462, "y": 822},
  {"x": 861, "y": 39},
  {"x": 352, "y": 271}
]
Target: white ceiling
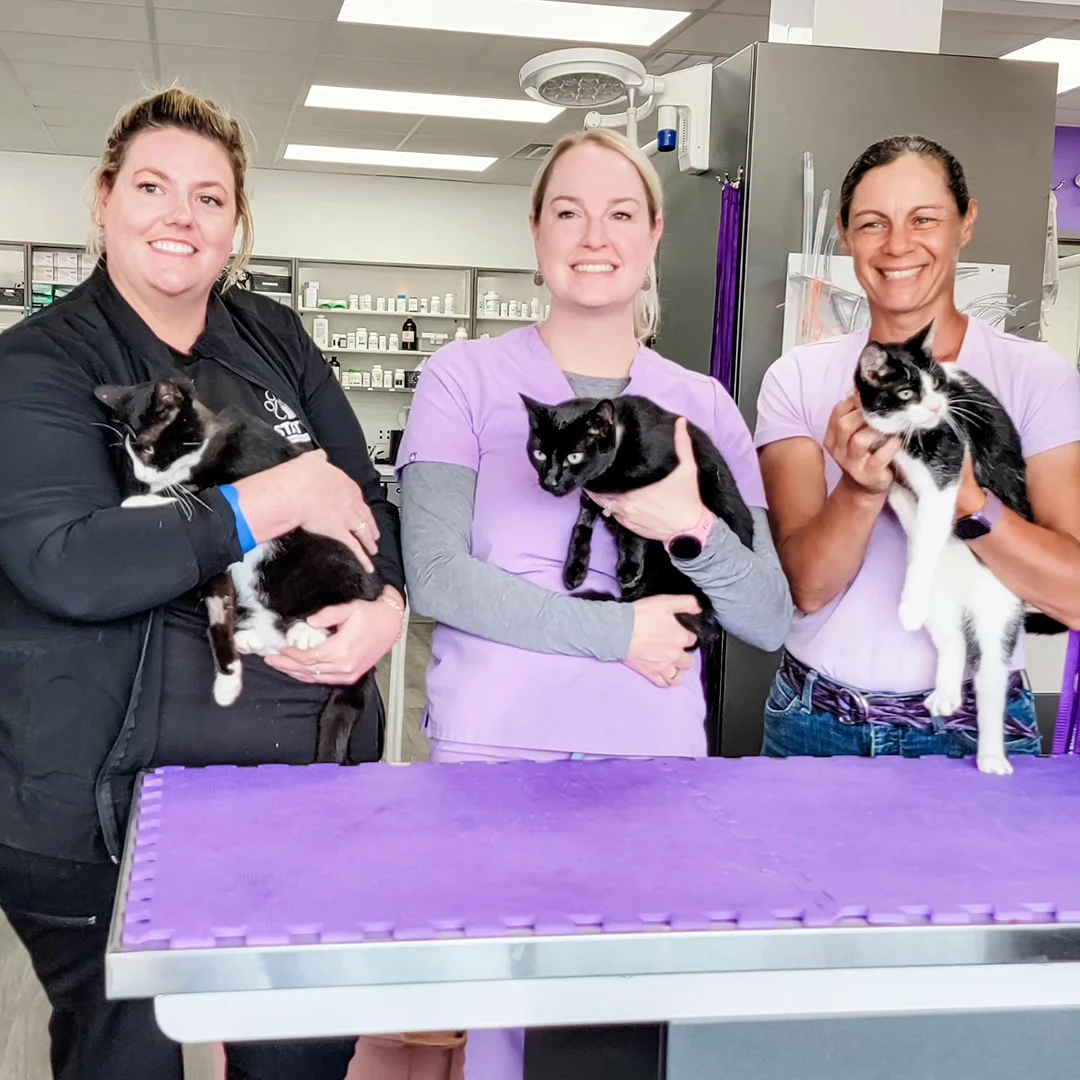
[{"x": 68, "y": 66}]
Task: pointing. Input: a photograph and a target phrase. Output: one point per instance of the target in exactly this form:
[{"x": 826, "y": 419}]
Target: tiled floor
[{"x": 24, "y": 1012}]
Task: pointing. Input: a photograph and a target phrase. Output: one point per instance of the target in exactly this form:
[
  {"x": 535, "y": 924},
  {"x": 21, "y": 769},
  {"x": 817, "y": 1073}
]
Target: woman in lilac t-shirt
[
  {"x": 852, "y": 680},
  {"x": 520, "y": 669}
]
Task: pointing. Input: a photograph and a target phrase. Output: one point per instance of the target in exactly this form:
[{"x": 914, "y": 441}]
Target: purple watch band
[{"x": 982, "y": 521}]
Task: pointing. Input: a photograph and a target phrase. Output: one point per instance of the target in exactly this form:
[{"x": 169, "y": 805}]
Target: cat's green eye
[
  {"x": 540, "y": 455},
  {"x": 575, "y": 458},
  {"x": 905, "y": 395}
]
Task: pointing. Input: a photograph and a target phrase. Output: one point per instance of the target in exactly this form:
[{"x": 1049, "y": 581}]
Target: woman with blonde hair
[
  {"x": 520, "y": 669},
  {"x": 104, "y": 663}
]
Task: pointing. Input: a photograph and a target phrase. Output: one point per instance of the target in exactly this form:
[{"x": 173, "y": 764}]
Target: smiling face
[
  {"x": 905, "y": 234},
  {"x": 595, "y": 240},
  {"x": 170, "y": 216}
]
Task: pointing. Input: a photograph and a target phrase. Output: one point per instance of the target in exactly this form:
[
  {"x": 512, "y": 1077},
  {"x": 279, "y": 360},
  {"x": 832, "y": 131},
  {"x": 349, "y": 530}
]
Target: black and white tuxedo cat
[
  {"x": 179, "y": 447},
  {"x": 945, "y": 416}
]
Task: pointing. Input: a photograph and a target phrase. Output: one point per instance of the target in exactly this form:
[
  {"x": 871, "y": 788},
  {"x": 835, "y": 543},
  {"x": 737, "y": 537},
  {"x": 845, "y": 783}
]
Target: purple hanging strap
[
  {"x": 1065, "y": 730},
  {"x": 727, "y": 268}
]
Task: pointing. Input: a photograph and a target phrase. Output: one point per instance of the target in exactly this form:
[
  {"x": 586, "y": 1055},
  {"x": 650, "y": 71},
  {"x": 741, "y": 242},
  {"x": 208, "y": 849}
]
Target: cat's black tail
[
  {"x": 347, "y": 707},
  {"x": 1035, "y": 622}
]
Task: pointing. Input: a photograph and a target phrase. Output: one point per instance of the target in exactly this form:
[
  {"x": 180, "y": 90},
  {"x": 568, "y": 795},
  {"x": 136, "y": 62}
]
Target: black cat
[
  {"x": 179, "y": 447},
  {"x": 611, "y": 446}
]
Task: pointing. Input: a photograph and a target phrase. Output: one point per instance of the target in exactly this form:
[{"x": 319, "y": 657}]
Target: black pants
[{"x": 60, "y": 911}]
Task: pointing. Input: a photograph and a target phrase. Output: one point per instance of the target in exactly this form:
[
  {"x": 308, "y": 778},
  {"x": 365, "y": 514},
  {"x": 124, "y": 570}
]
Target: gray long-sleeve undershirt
[{"x": 747, "y": 588}]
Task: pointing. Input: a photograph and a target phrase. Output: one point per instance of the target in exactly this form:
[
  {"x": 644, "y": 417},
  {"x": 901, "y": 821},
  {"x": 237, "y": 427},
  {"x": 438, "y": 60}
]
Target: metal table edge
[{"x": 146, "y": 973}]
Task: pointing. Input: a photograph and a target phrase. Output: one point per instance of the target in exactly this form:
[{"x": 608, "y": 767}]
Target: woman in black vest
[{"x": 104, "y": 665}]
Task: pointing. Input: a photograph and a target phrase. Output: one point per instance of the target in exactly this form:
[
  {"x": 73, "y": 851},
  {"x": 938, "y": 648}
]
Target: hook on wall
[{"x": 1058, "y": 186}]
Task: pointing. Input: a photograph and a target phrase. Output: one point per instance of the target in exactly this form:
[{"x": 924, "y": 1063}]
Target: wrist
[
  {"x": 688, "y": 543},
  {"x": 263, "y": 500},
  {"x": 970, "y": 501},
  {"x": 854, "y": 494}
]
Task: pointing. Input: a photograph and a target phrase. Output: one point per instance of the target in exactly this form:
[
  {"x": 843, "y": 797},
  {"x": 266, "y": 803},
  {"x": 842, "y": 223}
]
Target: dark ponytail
[{"x": 887, "y": 151}]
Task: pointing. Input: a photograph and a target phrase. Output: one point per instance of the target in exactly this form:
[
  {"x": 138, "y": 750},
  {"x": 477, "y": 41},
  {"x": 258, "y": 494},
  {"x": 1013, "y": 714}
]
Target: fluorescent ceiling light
[
  {"x": 1065, "y": 52},
  {"x": 399, "y": 101},
  {"x": 398, "y": 159},
  {"x": 548, "y": 20}
]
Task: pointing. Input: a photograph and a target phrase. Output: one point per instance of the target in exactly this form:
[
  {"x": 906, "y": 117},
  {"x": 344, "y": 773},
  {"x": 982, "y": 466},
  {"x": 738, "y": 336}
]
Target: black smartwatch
[{"x": 982, "y": 521}]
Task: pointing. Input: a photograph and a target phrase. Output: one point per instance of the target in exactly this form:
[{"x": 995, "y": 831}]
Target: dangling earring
[
  {"x": 647, "y": 284},
  {"x": 538, "y": 278}
]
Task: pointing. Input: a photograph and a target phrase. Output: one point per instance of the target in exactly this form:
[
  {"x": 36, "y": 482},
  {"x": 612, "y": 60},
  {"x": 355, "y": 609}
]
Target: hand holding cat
[
  {"x": 659, "y": 642},
  {"x": 664, "y": 509},
  {"x": 364, "y": 631},
  {"x": 309, "y": 492},
  {"x": 854, "y": 446}
]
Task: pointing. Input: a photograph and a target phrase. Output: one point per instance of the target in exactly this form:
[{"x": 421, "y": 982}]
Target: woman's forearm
[
  {"x": 747, "y": 588},
  {"x": 1039, "y": 565},
  {"x": 448, "y": 584},
  {"x": 823, "y": 556}
]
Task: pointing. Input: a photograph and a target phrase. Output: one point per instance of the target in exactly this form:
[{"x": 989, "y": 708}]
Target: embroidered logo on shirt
[{"x": 289, "y": 426}]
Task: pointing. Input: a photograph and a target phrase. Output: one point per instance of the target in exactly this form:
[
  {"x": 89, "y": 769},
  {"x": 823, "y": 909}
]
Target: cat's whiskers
[{"x": 115, "y": 431}]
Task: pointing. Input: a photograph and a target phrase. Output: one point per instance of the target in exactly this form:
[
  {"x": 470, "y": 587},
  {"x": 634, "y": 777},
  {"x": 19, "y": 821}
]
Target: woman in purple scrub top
[
  {"x": 852, "y": 680},
  {"x": 520, "y": 669}
]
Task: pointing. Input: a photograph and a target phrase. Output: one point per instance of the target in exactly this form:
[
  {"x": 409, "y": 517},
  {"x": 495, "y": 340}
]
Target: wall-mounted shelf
[
  {"x": 507, "y": 318},
  {"x": 377, "y": 389},
  {"x": 381, "y": 314},
  {"x": 12, "y": 307},
  {"x": 373, "y": 352}
]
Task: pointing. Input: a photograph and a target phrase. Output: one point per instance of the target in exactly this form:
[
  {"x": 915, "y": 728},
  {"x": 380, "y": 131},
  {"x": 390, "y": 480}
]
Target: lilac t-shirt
[
  {"x": 858, "y": 639},
  {"x": 468, "y": 411}
]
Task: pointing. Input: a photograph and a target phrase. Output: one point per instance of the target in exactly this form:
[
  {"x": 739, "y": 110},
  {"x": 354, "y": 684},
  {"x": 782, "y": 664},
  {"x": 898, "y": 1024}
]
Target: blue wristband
[{"x": 243, "y": 530}]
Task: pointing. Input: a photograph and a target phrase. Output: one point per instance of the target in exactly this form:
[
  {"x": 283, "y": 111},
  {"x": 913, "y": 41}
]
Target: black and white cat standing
[{"x": 945, "y": 418}]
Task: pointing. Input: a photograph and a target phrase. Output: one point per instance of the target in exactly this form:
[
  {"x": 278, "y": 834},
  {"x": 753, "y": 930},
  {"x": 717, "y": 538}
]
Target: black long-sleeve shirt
[{"x": 84, "y": 584}]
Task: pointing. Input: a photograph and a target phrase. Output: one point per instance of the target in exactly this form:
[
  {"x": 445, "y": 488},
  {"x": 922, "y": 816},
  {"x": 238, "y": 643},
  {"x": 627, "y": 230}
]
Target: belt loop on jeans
[{"x": 808, "y": 690}]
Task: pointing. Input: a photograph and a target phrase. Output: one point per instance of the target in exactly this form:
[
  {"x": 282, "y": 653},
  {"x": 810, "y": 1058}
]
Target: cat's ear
[
  {"x": 167, "y": 395},
  {"x": 602, "y": 418},
  {"x": 873, "y": 363},
  {"x": 536, "y": 410},
  {"x": 922, "y": 344},
  {"x": 111, "y": 396}
]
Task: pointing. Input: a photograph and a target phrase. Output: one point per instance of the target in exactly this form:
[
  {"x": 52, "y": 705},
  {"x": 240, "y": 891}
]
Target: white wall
[{"x": 305, "y": 214}]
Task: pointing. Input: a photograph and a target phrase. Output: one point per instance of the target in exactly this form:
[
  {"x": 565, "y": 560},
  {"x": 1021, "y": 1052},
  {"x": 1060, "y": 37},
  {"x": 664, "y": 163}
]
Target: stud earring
[
  {"x": 647, "y": 283},
  {"x": 538, "y": 278}
]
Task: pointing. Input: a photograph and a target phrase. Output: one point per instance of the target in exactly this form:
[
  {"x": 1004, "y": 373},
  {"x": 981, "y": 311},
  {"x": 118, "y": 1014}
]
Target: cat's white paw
[
  {"x": 135, "y": 501},
  {"x": 994, "y": 764},
  {"x": 227, "y": 684},
  {"x": 301, "y": 635},
  {"x": 944, "y": 701},
  {"x": 914, "y": 611},
  {"x": 252, "y": 643}
]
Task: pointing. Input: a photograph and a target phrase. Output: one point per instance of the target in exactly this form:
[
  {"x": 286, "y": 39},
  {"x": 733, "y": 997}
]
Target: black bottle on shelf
[
  {"x": 335, "y": 368},
  {"x": 409, "y": 336}
]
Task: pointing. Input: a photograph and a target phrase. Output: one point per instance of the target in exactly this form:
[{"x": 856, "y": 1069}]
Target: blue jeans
[{"x": 793, "y": 729}]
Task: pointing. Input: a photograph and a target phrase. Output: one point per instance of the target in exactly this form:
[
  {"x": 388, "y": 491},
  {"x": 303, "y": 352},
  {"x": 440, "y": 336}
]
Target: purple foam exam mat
[{"x": 277, "y": 855}]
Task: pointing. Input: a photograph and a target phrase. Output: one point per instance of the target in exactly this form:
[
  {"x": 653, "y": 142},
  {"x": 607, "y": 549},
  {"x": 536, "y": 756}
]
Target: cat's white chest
[{"x": 259, "y": 631}]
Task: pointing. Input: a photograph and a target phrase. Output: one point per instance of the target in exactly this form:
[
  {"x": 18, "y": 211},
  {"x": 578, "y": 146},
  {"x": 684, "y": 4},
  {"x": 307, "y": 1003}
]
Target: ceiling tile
[
  {"x": 491, "y": 143},
  {"x": 73, "y": 77},
  {"x": 310, "y": 10},
  {"x": 85, "y": 52},
  {"x": 386, "y": 127},
  {"x": 78, "y": 141},
  {"x": 77, "y": 19},
  {"x": 509, "y": 54},
  {"x": 20, "y": 126},
  {"x": 392, "y": 44},
  {"x": 192, "y": 61},
  {"x": 485, "y": 83},
  {"x": 721, "y": 34},
  {"x": 744, "y": 7},
  {"x": 239, "y": 93},
  {"x": 283, "y": 36},
  {"x": 387, "y": 75}
]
